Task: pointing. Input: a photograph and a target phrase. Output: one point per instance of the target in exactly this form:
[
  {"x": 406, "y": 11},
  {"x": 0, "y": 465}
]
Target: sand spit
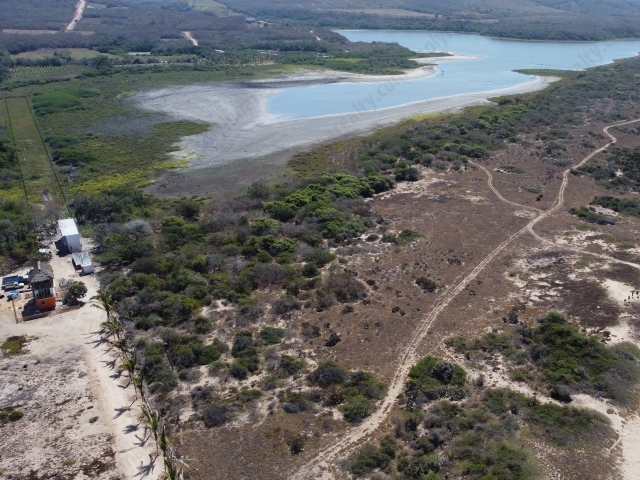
[{"x": 242, "y": 128}]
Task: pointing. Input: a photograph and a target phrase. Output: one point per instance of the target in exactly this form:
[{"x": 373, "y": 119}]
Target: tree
[
  {"x": 105, "y": 302},
  {"x": 75, "y": 291},
  {"x": 5, "y": 65}
]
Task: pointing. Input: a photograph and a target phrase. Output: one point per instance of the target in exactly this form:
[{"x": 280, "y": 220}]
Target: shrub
[
  {"x": 188, "y": 209},
  {"x": 262, "y": 225},
  {"x": 587, "y": 215},
  {"x": 328, "y": 373},
  {"x": 218, "y": 414},
  {"x": 427, "y": 284},
  {"x": 434, "y": 378},
  {"x": 345, "y": 287},
  {"x": 243, "y": 345},
  {"x": 272, "y": 335},
  {"x": 309, "y": 270},
  {"x": 318, "y": 257},
  {"x": 201, "y": 325},
  {"x": 356, "y": 408},
  {"x": 10, "y": 415},
  {"x": 370, "y": 458},
  {"x": 285, "y": 305},
  {"x": 289, "y": 366},
  {"x": 267, "y": 274},
  {"x": 14, "y": 344}
]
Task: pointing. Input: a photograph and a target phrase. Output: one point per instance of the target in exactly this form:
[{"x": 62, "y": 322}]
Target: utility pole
[{"x": 15, "y": 313}]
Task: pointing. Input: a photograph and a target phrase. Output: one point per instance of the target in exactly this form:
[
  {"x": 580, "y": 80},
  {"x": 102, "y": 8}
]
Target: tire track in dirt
[
  {"x": 493, "y": 189},
  {"x": 320, "y": 466},
  {"x": 565, "y": 178}
]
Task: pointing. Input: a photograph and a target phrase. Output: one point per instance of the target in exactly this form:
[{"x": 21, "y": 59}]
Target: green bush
[
  {"x": 589, "y": 216},
  {"x": 201, "y": 325},
  {"x": 370, "y": 458},
  {"x": 14, "y": 344},
  {"x": 261, "y": 225},
  {"x": 10, "y": 415},
  {"x": 272, "y": 335},
  {"x": 318, "y": 257}
]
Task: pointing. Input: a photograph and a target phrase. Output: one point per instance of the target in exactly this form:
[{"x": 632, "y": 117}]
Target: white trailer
[{"x": 70, "y": 235}]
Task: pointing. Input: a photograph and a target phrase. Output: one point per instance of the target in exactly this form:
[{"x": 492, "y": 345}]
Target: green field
[
  {"x": 74, "y": 53},
  {"x": 218, "y": 8},
  {"x": 39, "y": 179},
  {"x": 27, "y": 74}
]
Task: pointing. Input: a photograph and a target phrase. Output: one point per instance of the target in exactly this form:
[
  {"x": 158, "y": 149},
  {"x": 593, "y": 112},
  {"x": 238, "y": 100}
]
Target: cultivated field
[
  {"x": 37, "y": 170},
  {"x": 28, "y": 74}
]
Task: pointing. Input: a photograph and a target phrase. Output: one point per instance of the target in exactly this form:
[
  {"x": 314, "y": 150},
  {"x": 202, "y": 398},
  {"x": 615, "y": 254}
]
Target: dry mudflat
[{"x": 247, "y": 142}]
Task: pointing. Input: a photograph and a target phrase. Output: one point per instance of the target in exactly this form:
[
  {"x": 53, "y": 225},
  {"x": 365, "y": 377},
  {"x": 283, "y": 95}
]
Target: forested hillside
[{"x": 532, "y": 19}]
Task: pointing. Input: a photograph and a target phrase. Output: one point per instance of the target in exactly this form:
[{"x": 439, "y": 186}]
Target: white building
[
  {"x": 70, "y": 235},
  {"x": 82, "y": 261}
]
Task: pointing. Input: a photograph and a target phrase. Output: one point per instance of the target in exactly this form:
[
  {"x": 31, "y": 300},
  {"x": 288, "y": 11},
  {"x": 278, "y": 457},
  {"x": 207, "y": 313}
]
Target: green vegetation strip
[{"x": 38, "y": 176}]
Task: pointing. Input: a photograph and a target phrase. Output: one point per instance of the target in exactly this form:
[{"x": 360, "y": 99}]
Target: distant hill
[
  {"x": 529, "y": 19},
  {"x": 142, "y": 25}
]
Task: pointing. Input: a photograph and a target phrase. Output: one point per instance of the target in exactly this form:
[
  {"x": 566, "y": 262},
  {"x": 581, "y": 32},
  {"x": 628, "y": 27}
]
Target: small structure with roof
[
  {"x": 82, "y": 261},
  {"x": 42, "y": 286},
  {"x": 70, "y": 235}
]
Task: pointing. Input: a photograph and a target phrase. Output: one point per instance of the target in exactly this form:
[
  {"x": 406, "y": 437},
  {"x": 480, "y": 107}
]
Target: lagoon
[
  {"x": 491, "y": 68},
  {"x": 254, "y": 120}
]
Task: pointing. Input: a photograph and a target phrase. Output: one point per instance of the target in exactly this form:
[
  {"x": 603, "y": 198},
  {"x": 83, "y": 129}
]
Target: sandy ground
[{"x": 80, "y": 416}]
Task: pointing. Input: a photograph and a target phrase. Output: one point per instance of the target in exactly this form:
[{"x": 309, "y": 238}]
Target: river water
[{"x": 492, "y": 69}]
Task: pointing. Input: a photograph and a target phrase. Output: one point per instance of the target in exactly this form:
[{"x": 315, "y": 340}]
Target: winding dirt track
[
  {"x": 319, "y": 467},
  {"x": 82, "y": 4},
  {"x": 493, "y": 189}
]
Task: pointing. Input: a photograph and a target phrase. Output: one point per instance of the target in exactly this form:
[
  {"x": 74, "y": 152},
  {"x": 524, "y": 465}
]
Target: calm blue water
[{"x": 493, "y": 71}]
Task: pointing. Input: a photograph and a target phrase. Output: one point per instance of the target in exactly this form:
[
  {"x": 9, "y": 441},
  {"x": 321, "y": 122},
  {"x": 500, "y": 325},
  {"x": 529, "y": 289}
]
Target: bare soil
[{"x": 463, "y": 222}]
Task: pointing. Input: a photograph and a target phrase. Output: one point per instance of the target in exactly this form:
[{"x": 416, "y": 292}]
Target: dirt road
[
  {"x": 73, "y": 338},
  {"x": 189, "y": 37},
  {"x": 82, "y": 4},
  {"x": 320, "y": 466}
]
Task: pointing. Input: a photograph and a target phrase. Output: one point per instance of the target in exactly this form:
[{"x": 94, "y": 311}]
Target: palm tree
[
  {"x": 129, "y": 364},
  {"x": 151, "y": 418},
  {"x": 138, "y": 383},
  {"x": 164, "y": 441},
  {"x": 105, "y": 302},
  {"x": 171, "y": 471},
  {"x": 122, "y": 344},
  {"x": 113, "y": 328}
]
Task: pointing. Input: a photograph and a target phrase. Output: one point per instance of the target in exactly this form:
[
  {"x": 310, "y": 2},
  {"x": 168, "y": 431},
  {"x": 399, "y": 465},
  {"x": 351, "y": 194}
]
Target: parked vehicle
[
  {"x": 12, "y": 295},
  {"x": 12, "y": 283}
]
